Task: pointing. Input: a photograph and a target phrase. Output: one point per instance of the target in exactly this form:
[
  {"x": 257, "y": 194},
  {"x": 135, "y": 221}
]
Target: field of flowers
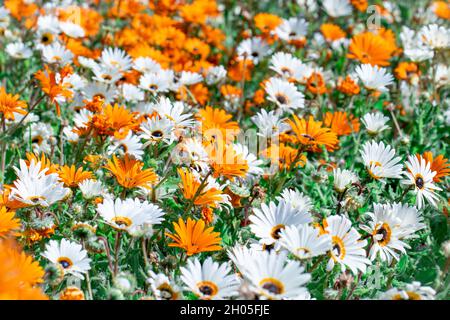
[{"x": 203, "y": 149}]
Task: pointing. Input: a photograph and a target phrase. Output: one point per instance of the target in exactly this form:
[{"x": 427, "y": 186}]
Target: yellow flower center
[
  {"x": 385, "y": 232},
  {"x": 338, "y": 250},
  {"x": 122, "y": 221}
]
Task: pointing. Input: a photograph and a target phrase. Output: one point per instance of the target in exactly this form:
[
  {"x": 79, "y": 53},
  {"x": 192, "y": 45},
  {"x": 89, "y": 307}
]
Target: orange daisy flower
[
  {"x": 348, "y": 86},
  {"x": 52, "y": 88},
  {"x": 129, "y": 172},
  {"x": 114, "y": 121},
  {"x": 8, "y": 224},
  {"x": 72, "y": 176},
  {"x": 226, "y": 163},
  {"x": 216, "y": 125},
  {"x": 284, "y": 156},
  {"x": 311, "y": 133},
  {"x": 441, "y": 9},
  {"x": 19, "y": 274},
  {"x": 340, "y": 123},
  {"x": 332, "y": 32},
  {"x": 10, "y": 104},
  {"x": 439, "y": 164},
  {"x": 360, "y": 5},
  {"x": 407, "y": 71},
  {"x": 370, "y": 48},
  {"x": 316, "y": 84},
  {"x": 193, "y": 237},
  {"x": 190, "y": 188}
]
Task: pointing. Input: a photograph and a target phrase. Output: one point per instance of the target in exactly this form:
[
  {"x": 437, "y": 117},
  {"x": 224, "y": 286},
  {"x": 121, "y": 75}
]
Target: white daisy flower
[
  {"x": 106, "y": 74},
  {"x": 115, "y": 59},
  {"x": 210, "y": 280},
  {"x": 40, "y": 135},
  {"x": 435, "y": 37},
  {"x": 146, "y": 65},
  {"x": 173, "y": 112},
  {"x": 91, "y": 188},
  {"x": 18, "y": 50},
  {"x": 253, "y": 49},
  {"x": 34, "y": 187},
  {"x": 130, "y": 145},
  {"x": 304, "y": 241},
  {"x": 129, "y": 215},
  {"x": 380, "y": 160},
  {"x": 131, "y": 93},
  {"x": 57, "y": 53},
  {"x": 101, "y": 90},
  {"x": 343, "y": 178},
  {"x": 269, "y": 123},
  {"x": 284, "y": 94},
  {"x": 347, "y": 246},
  {"x": 155, "y": 82},
  {"x": 254, "y": 164},
  {"x": 292, "y": 29},
  {"x": 215, "y": 74},
  {"x": 271, "y": 275},
  {"x": 337, "y": 8},
  {"x": 69, "y": 255},
  {"x": 412, "y": 291},
  {"x": 374, "y": 77},
  {"x": 268, "y": 221},
  {"x": 156, "y": 130},
  {"x": 192, "y": 153},
  {"x": 296, "y": 200},
  {"x": 288, "y": 66},
  {"x": 420, "y": 176},
  {"x": 163, "y": 288},
  {"x": 71, "y": 29},
  {"x": 48, "y": 23},
  {"x": 375, "y": 122}
]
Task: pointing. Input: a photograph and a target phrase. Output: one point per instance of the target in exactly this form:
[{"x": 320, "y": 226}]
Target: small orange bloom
[
  {"x": 72, "y": 176},
  {"x": 71, "y": 293},
  {"x": 340, "y": 123},
  {"x": 311, "y": 133},
  {"x": 52, "y": 88},
  {"x": 370, "y": 48},
  {"x": 130, "y": 173},
  {"x": 10, "y": 104},
  {"x": 8, "y": 224},
  {"x": 332, "y": 32},
  {"x": 193, "y": 237},
  {"x": 407, "y": 71},
  {"x": 190, "y": 188},
  {"x": 348, "y": 86},
  {"x": 284, "y": 156},
  {"x": 114, "y": 121},
  {"x": 216, "y": 125},
  {"x": 441, "y": 9},
  {"x": 439, "y": 164},
  {"x": 316, "y": 84},
  {"x": 360, "y": 5},
  {"x": 226, "y": 163}
]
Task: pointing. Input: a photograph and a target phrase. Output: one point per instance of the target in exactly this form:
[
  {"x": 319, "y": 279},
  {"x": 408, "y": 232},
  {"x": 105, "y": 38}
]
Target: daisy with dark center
[
  {"x": 270, "y": 220},
  {"x": 304, "y": 242},
  {"x": 163, "y": 288},
  {"x": 412, "y": 291},
  {"x": 380, "y": 161},
  {"x": 209, "y": 280},
  {"x": 311, "y": 134},
  {"x": 271, "y": 275},
  {"x": 70, "y": 256},
  {"x": 387, "y": 233},
  {"x": 130, "y": 214},
  {"x": 420, "y": 177},
  {"x": 347, "y": 248},
  {"x": 284, "y": 94}
]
